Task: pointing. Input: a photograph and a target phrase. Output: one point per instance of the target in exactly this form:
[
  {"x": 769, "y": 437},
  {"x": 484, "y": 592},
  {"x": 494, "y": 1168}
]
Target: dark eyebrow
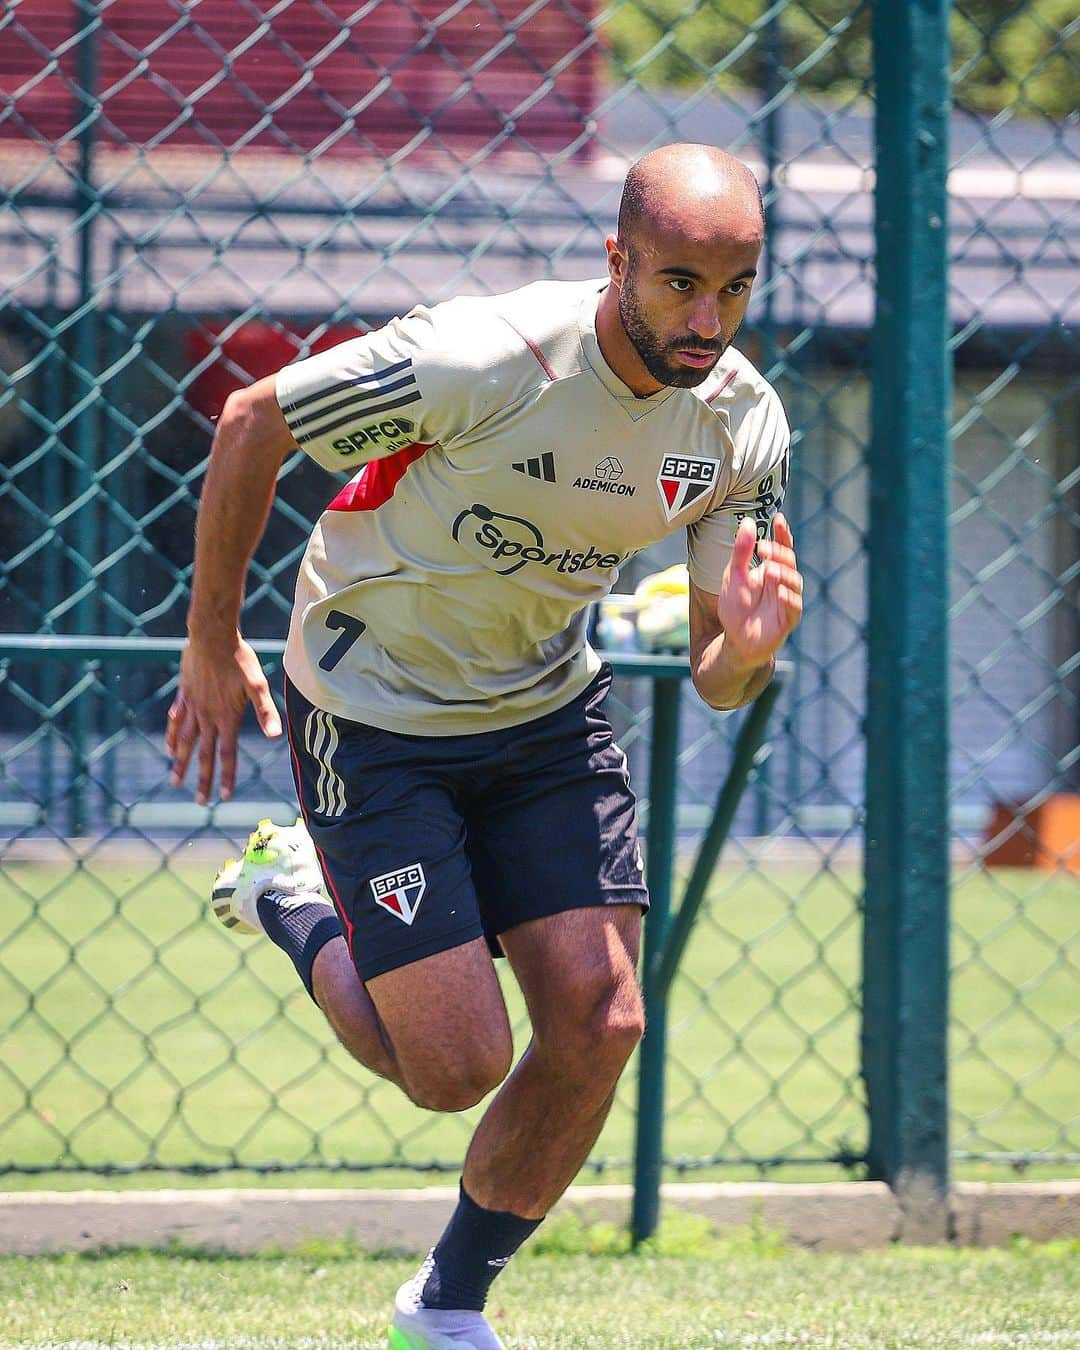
[{"x": 748, "y": 275}]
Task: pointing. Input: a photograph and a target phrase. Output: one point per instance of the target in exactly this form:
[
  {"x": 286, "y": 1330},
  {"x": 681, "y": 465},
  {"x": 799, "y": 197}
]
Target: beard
[{"x": 657, "y": 355}]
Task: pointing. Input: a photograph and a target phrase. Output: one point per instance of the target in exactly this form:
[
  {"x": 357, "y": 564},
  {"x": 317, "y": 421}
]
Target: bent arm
[
  {"x": 721, "y": 677},
  {"x": 735, "y": 635}
]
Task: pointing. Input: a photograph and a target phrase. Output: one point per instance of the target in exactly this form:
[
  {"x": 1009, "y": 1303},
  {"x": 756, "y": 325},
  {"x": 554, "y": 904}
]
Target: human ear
[{"x": 618, "y": 260}]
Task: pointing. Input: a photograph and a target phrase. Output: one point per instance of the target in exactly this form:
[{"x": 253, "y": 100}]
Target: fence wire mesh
[
  {"x": 197, "y": 194},
  {"x": 1016, "y": 597}
]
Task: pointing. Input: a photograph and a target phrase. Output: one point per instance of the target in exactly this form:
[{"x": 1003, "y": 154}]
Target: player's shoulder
[
  {"x": 534, "y": 327},
  {"x": 741, "y": 396},
  {"x": 482, "y": 354},
  {"x": 547, "y": 316},
  {"x": 737, "y": 390}
]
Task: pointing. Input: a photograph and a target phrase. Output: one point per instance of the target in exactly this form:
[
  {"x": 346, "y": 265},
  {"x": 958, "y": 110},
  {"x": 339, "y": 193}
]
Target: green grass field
[
  {"x": 139, "y": 1031},
  {"x": 745, "y": 1290}
]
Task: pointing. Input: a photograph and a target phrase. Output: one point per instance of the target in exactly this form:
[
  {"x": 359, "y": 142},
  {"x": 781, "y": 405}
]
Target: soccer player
[{"x": 460, "y": 788}]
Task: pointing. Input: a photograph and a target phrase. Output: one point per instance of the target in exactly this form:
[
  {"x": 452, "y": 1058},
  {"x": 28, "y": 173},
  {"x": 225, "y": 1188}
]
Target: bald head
[
  {"x": 691, "y": 229},
  {"x": 697, "y": 192}
]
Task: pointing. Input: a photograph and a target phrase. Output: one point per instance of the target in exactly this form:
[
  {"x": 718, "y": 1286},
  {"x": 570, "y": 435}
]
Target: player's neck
[{"x": 617, "y": 349}]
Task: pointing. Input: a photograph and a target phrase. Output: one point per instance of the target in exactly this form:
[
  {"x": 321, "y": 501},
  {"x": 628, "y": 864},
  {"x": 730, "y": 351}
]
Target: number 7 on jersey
[{"x": 351, "y": 628}]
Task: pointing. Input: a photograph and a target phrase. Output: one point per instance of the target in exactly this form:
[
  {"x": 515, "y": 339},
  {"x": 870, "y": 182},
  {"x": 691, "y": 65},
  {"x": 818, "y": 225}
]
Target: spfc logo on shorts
[
  {"x": 683, "y": 479},
  {"x": 401, "y": 891}
]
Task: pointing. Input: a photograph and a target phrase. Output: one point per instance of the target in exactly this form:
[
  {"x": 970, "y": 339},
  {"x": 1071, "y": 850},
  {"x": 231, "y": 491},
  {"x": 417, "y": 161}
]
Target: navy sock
[
  {"x": 475, "y": 1247},
  {"x": 300, "y": 930}
]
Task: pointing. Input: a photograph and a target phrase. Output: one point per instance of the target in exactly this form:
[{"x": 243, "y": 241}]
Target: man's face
[{"x": 682, "y": 304}]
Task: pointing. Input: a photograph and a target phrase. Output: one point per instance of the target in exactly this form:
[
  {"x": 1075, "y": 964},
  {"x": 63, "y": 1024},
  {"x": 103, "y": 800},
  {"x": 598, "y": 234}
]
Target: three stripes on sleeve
[{"x": 344, "y": 403}]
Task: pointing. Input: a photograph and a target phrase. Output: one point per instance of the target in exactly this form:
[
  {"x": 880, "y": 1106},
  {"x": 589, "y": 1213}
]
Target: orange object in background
[{"x": 1046, "y": 837}]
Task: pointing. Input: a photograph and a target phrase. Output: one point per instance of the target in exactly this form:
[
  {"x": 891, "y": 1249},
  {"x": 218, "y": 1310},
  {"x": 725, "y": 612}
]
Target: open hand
[
  {"x": 759, "y": 606},
  {"x": 216, "y": 684}
]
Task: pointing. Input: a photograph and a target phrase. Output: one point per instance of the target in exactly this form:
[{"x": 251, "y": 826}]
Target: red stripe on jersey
[
  {"x": 717, "y": 392},
  {"x": 377, "y": 480},
  {"x": 544, "y": 362},
  {"x": 322, "y": 857}
]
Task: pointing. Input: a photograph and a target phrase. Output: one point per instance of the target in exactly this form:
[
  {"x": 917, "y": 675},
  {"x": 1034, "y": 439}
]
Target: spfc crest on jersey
[
  {"x": 400, "y": 891},
  {"x": 683, "y": 479}
]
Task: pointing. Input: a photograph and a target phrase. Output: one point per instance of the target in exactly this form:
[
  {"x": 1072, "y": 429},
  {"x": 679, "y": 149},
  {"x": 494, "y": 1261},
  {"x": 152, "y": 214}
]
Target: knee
[
  {"x": 460, "y": 1080},
  {"x": 620, "y": 1026},
  {"x": 599, "y": 1028}
]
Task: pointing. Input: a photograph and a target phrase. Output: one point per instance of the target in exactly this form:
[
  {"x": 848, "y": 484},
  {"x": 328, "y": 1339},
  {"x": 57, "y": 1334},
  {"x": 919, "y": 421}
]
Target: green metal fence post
[
  {"x": 745, "y": 752},
  {"x": 666, "y": 936},
  {"x": 85, "y": 360},
  {"x": 663, "y": 801},
  {"x": 52, "y": 582},
  {"x": 772, "y": 87},
  {"x": 905, "y": 944}
]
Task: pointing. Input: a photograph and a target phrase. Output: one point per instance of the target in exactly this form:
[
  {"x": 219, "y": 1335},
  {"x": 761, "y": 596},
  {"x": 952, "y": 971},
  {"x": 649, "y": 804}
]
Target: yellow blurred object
[
  {"x": 663, "y": 616},
  {"x": 671, "y": 581}
]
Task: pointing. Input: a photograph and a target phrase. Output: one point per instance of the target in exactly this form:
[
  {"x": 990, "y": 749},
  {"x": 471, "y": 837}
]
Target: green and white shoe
[
  {"x": 418, "y": 1328},
  {"x": 278, "y": 858}
]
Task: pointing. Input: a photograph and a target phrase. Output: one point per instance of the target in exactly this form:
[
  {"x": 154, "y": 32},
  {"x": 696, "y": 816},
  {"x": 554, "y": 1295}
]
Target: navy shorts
[{"x": 427, "y": 842}]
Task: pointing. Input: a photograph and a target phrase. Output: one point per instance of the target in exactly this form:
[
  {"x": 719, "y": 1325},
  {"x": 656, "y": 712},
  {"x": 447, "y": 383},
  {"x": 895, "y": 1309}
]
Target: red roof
[{"x": 331, "y": 74}]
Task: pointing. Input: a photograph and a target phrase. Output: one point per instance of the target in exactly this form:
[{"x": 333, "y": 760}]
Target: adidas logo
[{"x": 540, "y": 466}]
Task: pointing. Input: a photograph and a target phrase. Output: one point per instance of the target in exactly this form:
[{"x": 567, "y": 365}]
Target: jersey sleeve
[
  {"x": 762, "y": 455},
  {"x": 374, "y": 395}
]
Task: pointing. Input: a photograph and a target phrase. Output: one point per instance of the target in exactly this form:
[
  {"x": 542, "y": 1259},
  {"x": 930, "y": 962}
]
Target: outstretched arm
[
  {"x": 219, "y": 672},
  {"x": 734, "y": 636}
]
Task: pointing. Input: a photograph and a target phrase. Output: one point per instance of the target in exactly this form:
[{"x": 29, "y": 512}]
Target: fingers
[
  {"x": 226, "y": 753},
  {"x": 265, "y": 711},
  {"x": 207, "y": 755},
  {"x": 781, "y": 547},
  {"x": 780, "y": 565},
  {"x": 217, "y": 744},
  {"x": 180, "y": 738},
  {"x": 745, "y": 542},
  {"x": 782, "y": 575},
  {"x": 207, "y": 712},
  {"x": 183, "y": 732},
  {"x": 785, "y": 575},
  {"x": 171, "y": 727},
  {"x": 782, "y": 531},
  {"x": 787, "y": 585},
  {"x": 791, "y": 607}
]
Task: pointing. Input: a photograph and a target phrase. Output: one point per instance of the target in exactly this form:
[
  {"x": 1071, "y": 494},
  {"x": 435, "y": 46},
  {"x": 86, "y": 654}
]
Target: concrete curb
[
  {"x": 844, "y": 1216},
  {"x": 986, "y": 1214}
]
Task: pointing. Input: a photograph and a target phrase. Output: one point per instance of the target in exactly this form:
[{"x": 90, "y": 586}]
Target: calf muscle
[{"x": 577, "y": 971}]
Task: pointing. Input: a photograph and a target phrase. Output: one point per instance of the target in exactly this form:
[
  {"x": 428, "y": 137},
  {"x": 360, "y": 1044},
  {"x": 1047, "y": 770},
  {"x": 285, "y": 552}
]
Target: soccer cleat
[
  {"x": 418, "y": 1328},
  {"x": 279, "y": 858}
]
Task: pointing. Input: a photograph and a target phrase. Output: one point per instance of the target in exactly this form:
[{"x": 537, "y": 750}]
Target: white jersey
[{"x": 507, "y": 475}]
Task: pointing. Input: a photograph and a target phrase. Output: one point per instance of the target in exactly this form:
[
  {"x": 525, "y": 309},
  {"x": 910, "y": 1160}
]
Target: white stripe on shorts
[{"x": 321, "y": 741}]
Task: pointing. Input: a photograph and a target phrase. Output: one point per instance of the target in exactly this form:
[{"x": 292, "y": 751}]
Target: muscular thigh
[
  {"x": 386, "y": 822},
  {"x": 390, "y": 836},
  {"x": 447, "y": 1023}
]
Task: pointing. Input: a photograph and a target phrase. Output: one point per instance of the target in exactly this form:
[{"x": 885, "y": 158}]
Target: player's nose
[{"x": 705, "y": 320}]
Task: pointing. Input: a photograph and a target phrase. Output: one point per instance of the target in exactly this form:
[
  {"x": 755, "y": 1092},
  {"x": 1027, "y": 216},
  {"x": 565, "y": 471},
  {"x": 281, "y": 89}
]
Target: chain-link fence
[
  {"x": 197, "y": 194},
  {"x": 1016, "y": 585}
]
